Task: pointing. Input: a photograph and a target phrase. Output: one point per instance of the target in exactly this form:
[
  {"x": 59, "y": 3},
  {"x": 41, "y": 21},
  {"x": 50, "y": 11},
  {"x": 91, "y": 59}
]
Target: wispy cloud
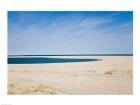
[{"x": 70, "y": 32}]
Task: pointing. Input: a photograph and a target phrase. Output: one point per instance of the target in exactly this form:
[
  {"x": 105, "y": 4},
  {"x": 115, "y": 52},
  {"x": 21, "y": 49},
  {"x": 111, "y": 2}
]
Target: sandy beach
[{"x": 110, "y": 75}]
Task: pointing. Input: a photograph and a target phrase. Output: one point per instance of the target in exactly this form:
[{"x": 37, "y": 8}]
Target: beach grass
[{"x": 39, "y": 89}]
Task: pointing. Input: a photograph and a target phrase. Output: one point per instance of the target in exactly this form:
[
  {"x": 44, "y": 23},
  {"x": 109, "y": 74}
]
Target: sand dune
[{"x": 111, "y": 75}]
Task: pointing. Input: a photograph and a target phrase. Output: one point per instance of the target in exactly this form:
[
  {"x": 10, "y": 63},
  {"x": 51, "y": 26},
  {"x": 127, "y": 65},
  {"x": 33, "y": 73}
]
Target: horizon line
[{"x": 66, "y": 54}]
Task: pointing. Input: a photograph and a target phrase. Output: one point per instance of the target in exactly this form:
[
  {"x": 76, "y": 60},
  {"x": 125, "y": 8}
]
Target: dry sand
[{"x": 112, "y": 75}]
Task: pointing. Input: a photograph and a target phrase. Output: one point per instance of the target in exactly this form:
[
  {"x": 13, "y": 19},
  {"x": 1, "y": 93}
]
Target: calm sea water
[
  {"x": 46, "y": 60},
  {"x": 14, "y": 59}
]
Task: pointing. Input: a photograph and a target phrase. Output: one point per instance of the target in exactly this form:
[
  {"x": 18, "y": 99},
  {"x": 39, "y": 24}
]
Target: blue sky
[{"x": 62, "y": 32}]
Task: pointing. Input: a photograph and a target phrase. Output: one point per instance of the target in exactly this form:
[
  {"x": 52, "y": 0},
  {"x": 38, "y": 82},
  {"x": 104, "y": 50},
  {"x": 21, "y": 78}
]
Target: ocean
[{"x": 25, "y": 59}]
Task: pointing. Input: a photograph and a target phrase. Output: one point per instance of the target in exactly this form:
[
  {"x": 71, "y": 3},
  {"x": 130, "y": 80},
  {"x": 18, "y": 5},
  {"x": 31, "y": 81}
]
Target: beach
[{"x": 110, "y": 75}]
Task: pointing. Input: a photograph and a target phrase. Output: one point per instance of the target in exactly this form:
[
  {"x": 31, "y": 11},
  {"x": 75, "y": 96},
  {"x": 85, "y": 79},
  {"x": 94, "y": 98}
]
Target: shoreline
[{"x": 112, "y": 75}]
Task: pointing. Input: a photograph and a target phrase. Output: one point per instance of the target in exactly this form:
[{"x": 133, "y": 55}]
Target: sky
[{"x": 70, "y": 32}]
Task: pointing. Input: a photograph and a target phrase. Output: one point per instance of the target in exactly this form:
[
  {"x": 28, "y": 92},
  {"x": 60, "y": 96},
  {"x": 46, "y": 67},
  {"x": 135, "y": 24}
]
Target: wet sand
[{"x": 110, "y": 75}]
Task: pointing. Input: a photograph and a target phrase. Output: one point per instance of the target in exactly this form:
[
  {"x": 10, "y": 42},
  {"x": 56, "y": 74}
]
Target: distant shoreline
[{"x": 80, "y": 55}]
